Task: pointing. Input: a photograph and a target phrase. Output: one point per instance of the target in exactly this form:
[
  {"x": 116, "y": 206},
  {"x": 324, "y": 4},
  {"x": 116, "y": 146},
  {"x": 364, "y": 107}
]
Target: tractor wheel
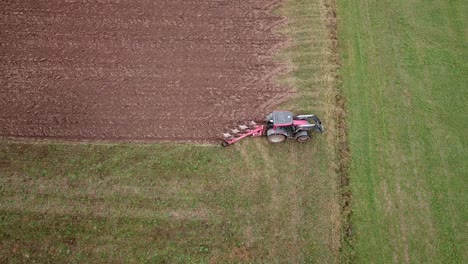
[
  {"x": 302, "y": 139},
  {"x": 224, "y": 144},
  {"x": 276, "y": 138}
]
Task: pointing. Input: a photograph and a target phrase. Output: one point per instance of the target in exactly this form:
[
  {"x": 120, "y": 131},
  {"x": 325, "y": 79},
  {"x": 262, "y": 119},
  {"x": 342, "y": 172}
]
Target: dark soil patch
[{"x": 167, "y": 70}]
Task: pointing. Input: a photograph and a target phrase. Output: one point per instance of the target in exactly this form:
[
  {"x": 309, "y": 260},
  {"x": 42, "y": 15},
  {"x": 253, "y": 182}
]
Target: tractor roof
[{"x": 282, "y": 118}]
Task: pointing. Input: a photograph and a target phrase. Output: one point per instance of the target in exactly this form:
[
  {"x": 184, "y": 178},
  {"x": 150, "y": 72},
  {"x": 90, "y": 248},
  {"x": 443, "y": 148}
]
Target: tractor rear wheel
[
  {"x": 276, "y": 138},
  {"x": 302, "y": 139}
]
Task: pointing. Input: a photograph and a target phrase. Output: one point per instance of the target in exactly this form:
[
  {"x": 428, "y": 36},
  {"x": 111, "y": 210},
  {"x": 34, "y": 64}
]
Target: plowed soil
[{"x": 147, "y": 70}]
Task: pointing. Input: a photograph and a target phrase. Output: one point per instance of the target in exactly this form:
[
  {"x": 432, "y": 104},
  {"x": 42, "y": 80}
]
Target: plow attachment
[{"x": 253, "y": 130}]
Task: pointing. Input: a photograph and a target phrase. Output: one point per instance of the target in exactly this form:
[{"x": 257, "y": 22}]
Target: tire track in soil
[{"x": 136, "y": 70}]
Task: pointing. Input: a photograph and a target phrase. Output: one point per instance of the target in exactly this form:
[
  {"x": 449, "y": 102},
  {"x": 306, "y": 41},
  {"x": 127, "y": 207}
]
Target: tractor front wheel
[
  {"x": 302, "y": 139},
  {"x": 276, "y": 138}
]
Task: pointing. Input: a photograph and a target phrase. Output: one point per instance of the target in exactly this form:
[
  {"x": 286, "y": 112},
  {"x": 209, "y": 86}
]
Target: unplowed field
[{"x": 135, "y": 69}]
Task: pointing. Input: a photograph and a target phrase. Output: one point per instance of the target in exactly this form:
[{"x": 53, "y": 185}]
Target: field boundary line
[{"x": 338, "y": 138}]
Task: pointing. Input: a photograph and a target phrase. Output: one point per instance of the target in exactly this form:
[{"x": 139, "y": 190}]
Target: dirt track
[{"x": 135, "y": 69}]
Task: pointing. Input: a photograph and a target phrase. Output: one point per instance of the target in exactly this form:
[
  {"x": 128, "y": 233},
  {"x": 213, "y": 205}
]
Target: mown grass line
[
  {"x": 404, "y": 76},
  {"x": 177, "y": 203}
]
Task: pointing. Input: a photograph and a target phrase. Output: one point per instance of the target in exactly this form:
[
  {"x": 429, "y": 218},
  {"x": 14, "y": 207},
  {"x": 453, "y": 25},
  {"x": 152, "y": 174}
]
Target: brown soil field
[{"x": 150, "y": 70}]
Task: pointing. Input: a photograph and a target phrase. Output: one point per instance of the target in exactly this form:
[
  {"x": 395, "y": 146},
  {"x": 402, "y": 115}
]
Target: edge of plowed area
[{"x": 73, "y": 141}]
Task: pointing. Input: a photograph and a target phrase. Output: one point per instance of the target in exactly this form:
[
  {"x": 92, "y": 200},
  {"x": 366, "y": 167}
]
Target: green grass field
[
  {"x": 405, "y": 77},
  {"x": 182, "y": 203}
]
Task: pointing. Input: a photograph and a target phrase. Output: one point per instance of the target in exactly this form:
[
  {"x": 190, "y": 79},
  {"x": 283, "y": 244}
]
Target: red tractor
[{"x": 278, "y": 126}]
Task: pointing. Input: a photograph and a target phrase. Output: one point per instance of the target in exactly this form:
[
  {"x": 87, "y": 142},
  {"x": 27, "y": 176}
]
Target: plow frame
[{"x": 255, "y": 132}]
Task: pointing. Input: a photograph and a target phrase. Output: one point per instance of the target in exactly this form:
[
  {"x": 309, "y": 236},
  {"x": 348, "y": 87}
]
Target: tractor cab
[{"x": 280, "y": 119}]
